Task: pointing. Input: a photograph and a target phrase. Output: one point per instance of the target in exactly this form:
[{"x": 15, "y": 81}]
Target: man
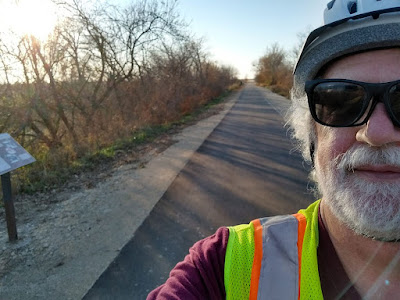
[{"x": 346, "y": 246}]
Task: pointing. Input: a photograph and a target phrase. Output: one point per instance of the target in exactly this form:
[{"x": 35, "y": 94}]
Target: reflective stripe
[
  {"x": 279, "y": 274},
  {"x": 302, "y": 223},
  {"x": 258, "y": 251}
]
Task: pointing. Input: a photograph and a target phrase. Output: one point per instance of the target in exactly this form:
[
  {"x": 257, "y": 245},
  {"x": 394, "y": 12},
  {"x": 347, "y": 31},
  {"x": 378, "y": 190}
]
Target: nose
[{"x": 379, "y": 129}]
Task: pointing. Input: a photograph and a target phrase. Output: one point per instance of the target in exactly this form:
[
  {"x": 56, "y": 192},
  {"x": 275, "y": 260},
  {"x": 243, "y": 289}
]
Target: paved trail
[{"x": 244, "y": 169}]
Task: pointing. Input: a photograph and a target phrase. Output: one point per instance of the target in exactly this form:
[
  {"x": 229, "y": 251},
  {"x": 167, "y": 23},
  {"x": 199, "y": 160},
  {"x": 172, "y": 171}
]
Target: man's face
[{"x": 358, "y": 168}]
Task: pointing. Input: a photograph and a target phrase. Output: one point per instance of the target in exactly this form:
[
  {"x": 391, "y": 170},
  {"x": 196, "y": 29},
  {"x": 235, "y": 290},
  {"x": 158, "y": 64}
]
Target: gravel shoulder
[{"x": 69, "y": 236}]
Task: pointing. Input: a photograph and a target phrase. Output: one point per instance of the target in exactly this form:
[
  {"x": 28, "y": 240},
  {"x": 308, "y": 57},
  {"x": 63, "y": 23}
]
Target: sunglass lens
[
  {"x": 338, "y": 103},
  {"x": 394, "y": 100}
]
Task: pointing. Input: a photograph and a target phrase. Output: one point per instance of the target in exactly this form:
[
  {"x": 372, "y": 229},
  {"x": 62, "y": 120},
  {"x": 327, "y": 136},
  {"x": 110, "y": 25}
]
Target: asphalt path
[{"x": 245, "y": 169}]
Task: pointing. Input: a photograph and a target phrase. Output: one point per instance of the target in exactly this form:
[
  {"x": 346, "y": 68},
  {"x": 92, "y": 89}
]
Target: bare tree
[
  {"x": 116, "y": 42},
  {"x": 274, "y": 71},
  {"x": 295, "y": 51},
  {"x": 105, "y": 71}
]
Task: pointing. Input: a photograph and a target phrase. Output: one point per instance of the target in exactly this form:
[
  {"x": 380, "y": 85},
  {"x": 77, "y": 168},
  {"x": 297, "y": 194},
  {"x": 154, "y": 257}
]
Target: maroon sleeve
[{"x": 201, "y": 274}]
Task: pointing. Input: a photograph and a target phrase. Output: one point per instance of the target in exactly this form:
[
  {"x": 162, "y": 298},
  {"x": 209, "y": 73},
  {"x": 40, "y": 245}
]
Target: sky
[
  {"x": 238, "y": 32},
  {"x": 235, "y": 32}
]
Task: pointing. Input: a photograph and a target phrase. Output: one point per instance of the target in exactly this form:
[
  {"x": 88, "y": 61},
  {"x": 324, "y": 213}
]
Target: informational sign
[{"x": 12, "y": 155}]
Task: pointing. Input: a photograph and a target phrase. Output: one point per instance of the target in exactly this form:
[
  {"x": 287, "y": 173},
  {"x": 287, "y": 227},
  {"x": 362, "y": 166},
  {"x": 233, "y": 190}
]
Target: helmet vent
[
  {"x": 330, "y": 4},
  {"x": 352, "y": 6}
]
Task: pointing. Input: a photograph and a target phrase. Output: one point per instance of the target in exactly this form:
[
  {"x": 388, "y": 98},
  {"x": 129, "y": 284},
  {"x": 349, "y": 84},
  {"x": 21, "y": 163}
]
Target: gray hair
[{"x": 300, "y": 123}]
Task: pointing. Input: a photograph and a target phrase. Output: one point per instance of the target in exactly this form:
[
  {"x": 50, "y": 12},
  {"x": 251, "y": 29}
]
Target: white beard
[{"x": 368, "y": 208}]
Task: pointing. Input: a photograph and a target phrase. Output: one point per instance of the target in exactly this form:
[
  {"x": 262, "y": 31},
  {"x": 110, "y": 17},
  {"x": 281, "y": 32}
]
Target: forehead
[{"x": 369, "y": 66}]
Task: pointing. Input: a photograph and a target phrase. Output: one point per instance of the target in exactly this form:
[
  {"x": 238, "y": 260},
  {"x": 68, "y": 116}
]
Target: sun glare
[{"x": 28, "y": 17}]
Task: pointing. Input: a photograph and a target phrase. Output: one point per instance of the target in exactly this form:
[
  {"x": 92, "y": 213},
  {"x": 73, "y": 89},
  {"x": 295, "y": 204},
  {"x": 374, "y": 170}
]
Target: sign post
[
  {"x": 12, "y": 156},
  {"x": 9, "y": 207}
]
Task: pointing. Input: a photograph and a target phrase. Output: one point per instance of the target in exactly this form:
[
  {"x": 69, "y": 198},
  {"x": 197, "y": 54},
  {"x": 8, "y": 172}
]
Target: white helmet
[
  {"x": 351, "y": 26},
  {"x": 342, "y": 9}
]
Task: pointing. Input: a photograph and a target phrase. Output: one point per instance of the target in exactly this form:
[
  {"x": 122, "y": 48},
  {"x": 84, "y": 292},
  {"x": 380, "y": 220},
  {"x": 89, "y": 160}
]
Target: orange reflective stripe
[
  {"x": 301, "y": 229},
  {"x": 258, "y": 249}
]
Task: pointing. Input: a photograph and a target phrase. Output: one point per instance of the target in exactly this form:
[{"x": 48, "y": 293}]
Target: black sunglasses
[{"x": 345, "y": 103}]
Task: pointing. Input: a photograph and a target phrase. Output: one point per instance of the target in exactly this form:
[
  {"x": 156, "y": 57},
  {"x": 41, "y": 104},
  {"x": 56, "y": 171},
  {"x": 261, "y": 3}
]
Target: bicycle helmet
[{"x": 350, "y": 26}]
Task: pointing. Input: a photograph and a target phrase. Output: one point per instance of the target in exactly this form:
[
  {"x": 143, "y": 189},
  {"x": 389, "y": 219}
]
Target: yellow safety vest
[{"x": 274, "y": 258}]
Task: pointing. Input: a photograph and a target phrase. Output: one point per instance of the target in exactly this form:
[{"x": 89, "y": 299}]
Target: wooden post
[{"x": 9, "y": 207}]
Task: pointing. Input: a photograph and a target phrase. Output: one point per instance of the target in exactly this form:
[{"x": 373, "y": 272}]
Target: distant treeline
[
  {"x": 104, "y": 73},
  {"x": 275, "y": 68}
]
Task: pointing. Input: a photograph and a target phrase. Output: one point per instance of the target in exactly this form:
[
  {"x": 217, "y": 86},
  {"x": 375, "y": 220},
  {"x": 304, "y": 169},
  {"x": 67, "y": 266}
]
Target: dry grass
[{"x": 54, "y": 166}]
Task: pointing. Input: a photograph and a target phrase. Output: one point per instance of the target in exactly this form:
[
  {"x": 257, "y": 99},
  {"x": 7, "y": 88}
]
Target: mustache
[{"x": 361, "y": 155}]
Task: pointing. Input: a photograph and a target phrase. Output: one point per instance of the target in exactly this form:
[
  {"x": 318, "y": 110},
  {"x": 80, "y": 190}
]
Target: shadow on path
[{"x": 244, "y": 170}]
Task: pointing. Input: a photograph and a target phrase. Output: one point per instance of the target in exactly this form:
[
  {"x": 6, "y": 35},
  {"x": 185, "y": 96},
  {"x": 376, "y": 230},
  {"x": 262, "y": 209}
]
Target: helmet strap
[{"x": 312, "y": 150}]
